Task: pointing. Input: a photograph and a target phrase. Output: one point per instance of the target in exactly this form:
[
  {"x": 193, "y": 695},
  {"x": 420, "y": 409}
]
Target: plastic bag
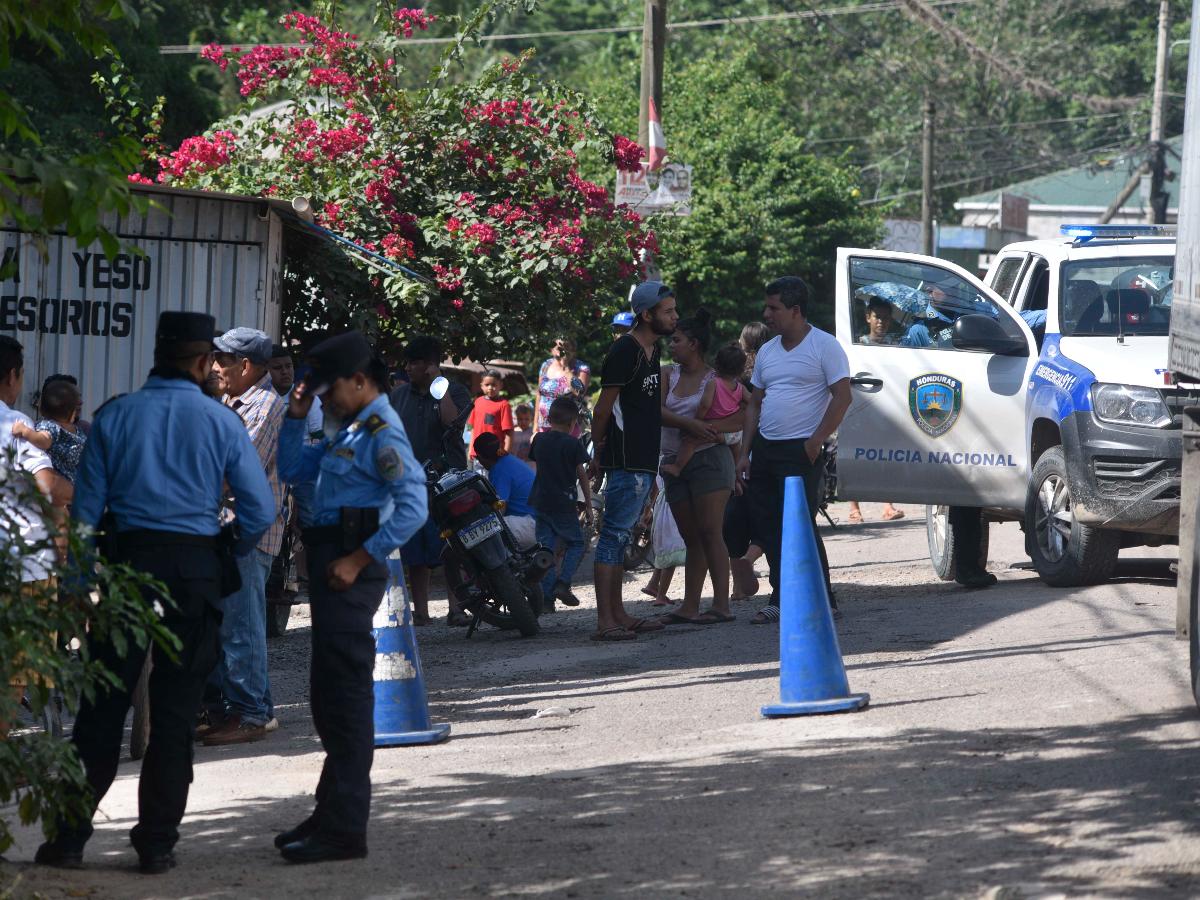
[{"x": 665, "y": 540}]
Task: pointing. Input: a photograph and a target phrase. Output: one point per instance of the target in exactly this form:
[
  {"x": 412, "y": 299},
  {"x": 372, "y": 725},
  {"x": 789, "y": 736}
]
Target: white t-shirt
[
  {"x": 27, "y": 517},
  {"x": 797, "y": 384}
]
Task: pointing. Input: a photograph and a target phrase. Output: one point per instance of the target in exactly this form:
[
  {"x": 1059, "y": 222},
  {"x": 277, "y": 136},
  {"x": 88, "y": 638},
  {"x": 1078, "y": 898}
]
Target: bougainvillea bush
[{"x": 474, "y": 186}]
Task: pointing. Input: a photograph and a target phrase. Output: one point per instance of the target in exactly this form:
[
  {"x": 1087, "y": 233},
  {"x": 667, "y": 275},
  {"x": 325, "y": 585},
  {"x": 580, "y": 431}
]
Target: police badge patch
[
  {"x": 390, "y": 466},
  {"x": 935, "y": 402}
]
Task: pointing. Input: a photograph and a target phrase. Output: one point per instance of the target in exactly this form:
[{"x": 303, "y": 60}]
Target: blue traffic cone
[
  {"x": 812, "y": 678},
  {"x": 401, "y": 709}
]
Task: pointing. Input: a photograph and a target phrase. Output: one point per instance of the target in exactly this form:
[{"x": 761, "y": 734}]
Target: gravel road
[{"x": 1021, "y": 741}]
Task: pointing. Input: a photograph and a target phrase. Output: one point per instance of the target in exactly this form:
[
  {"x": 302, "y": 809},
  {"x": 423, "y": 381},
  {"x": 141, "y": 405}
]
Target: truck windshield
[{"x": 1125, "y": 296}]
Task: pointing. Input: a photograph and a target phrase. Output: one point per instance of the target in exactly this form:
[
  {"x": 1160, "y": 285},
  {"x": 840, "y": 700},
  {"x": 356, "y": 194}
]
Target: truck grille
[
  {"x": 1176, "y": 399},
  {"x": 1126, "y": 477}
]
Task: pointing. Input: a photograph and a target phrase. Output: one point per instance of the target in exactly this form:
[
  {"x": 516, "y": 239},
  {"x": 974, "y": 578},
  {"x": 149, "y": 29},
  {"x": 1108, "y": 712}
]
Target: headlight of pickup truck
[{"x": 1125, "y": 404}]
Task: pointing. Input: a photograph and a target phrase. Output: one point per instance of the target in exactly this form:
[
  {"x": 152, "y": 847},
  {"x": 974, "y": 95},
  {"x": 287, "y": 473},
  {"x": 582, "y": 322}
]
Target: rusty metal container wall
[{"x": 76, "y": 312}]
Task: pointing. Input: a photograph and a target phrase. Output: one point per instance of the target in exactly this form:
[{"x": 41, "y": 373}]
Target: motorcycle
[{"x": 502, "y": 584}]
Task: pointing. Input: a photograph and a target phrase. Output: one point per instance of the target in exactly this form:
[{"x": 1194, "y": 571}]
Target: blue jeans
[
  {"x": 242, "y": 674},
  {"x": 625, "y": 496},
  {"x": 560, "y": 526}
]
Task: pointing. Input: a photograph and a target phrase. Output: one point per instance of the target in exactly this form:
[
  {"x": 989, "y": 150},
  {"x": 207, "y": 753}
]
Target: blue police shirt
[
  {"x": 369, "y": 464},
  {"x": 513, "y": 480},
  {"x": 157, "y": 459}
]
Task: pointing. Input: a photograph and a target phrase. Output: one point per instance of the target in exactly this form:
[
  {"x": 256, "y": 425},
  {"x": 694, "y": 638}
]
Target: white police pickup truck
[{"x": 1040, "y": 395}]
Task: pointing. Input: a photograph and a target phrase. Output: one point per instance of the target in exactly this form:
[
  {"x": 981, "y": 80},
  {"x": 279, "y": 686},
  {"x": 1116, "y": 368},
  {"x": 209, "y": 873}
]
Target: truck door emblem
[{"x": 935, "y": 402}]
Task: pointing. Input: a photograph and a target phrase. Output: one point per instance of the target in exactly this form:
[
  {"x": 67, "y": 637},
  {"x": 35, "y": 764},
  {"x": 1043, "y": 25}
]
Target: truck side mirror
[
  {"x": 979, "y": 332},
  {"x": 438, "y": 387}
]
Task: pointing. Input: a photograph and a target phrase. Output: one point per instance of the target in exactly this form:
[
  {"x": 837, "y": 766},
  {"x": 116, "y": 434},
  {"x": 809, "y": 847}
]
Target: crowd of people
[{"x": 198, "y": 476}]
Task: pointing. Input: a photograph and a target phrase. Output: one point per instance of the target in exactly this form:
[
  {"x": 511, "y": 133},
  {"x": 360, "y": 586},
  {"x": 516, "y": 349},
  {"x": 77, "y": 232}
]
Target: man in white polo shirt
[{"x": 801, "y": 391}]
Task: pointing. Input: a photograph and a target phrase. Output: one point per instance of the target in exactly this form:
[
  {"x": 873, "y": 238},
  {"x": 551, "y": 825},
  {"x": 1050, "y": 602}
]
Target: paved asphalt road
[{"x": 1021, "y": 742}]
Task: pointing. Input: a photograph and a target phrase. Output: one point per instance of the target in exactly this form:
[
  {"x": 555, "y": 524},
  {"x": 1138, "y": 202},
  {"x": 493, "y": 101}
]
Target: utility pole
[
  {"x": 927, "y": 178},
  {"x": 654, "y": 43},
  {"x": 1156, "y": 214}
]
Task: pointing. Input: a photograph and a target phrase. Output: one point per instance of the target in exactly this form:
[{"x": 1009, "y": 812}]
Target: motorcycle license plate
[{"x": 478, "y": 532}]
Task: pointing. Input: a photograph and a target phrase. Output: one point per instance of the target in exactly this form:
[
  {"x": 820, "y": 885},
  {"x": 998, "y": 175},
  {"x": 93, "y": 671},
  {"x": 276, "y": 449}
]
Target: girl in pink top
[{"x": 723, "y": 396}]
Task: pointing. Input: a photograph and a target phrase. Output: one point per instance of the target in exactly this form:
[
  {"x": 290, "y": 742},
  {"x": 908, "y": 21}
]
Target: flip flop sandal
[
  {"x": 672, "y": 618},
  {"x": 713, "y": 617},
  {"x": 896, "y": 514},
  {"x": 665, "y": 601},
  {"x": 616, "y": 633},
  {"x": 645, "y": 626},
  {"x": 855, "y": 518},
  {"x": 766, "y": 615}
]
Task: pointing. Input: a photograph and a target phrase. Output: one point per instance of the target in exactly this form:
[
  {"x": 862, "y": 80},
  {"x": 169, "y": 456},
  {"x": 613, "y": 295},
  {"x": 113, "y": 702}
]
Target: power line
[
  {"x": 886, "y": 6},
  {"x": 992, "y": 173}
]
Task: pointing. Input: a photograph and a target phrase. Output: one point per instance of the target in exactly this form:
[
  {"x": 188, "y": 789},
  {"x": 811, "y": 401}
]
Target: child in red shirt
[{"x": 491, "y": 414}]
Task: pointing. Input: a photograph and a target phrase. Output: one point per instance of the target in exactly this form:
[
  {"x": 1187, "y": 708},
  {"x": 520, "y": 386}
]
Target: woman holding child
[{"x": 699, "y": 407}]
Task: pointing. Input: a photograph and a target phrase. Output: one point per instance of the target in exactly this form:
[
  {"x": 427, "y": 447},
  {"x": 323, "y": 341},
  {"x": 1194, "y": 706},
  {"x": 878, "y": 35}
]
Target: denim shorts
[{"x": 625, "y": 496}]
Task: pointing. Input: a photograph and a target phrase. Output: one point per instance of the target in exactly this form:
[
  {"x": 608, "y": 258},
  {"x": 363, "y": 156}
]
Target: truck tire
[
  {"x": 1064, "y": 552},
  {"x": 509, "y": 594},
  {"x": 1194, "y": 638},
  {"x": 940, "y": 535}
]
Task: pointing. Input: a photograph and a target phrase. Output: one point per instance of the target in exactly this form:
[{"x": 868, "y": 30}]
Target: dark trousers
[
  {"x": 738, "y": 528},
  {"x": 342, "y": 694},
  {"x": 191, "y": 575},
  {"x": 771, "y": 463},
  {"x": 967, "y": 525}
]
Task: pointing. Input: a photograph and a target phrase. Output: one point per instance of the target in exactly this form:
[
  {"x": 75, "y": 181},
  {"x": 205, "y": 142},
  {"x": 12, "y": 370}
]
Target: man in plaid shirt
[{"x": 243, "y": 355}]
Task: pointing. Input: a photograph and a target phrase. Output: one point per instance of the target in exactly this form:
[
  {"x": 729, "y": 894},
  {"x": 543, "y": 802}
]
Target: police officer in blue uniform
[
  {"x": 370, "y": 499},
  {"x": 156, "y": 460}
]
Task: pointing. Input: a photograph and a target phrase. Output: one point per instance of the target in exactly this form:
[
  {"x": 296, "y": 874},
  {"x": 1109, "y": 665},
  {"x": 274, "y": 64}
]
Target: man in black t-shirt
[
  {"x": 625, "y": 431},
  {"x": 434, "y": 428}
]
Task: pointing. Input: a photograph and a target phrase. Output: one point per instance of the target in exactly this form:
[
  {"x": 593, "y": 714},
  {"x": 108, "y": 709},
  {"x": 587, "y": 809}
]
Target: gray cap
[
  {"x": 248, "y": 342},
  {"x": 647, "y": 296}
]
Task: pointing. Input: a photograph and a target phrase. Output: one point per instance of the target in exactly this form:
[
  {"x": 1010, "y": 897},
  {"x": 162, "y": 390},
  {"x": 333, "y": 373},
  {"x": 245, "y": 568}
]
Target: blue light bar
[{"x": 1083, "y": 233}]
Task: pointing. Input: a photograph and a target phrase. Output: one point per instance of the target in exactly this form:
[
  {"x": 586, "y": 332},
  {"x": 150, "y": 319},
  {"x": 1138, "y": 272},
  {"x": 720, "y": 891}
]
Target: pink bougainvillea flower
[
  {"x": 628, "y": 154},
  {"x": 408, "y": 19}
]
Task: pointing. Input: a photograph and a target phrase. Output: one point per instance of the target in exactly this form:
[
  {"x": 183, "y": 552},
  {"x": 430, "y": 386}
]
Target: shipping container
[{"x": 79, "y": 313}]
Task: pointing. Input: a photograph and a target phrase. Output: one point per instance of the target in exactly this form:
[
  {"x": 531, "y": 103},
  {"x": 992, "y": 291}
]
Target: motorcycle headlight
[{"x": 1125, "y": 404}]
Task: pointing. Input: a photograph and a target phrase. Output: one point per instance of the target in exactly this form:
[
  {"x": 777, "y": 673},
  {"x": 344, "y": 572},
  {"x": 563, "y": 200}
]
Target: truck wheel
[
  {"x": 940, "y": 535},
  {"x": 1193, "y": 635},
  {"x": 1065, "y": 553}
]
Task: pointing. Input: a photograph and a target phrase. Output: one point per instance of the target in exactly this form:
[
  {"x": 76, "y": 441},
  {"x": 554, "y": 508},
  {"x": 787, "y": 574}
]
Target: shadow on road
[{"x": 924, "y": 812}]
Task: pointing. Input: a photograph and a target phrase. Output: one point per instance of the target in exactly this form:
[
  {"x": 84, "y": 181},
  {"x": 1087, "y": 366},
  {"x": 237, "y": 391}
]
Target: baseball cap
[
  {"x": 623, "y": 319},
  {"x": 647, "y": 295},
  {"x": 337, "y": 357},
  {"x": 248, "y": 342}
]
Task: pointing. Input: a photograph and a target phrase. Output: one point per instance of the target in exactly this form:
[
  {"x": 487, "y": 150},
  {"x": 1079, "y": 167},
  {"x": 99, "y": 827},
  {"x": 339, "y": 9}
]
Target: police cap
[
  {"x": 185, "y": 333},
  {"x": 337, "y": 357}
]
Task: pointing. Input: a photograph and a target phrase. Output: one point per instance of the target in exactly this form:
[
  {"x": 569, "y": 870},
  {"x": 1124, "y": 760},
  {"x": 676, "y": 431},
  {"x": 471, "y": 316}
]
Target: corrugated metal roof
[{"x": 1095, "y": 185}]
